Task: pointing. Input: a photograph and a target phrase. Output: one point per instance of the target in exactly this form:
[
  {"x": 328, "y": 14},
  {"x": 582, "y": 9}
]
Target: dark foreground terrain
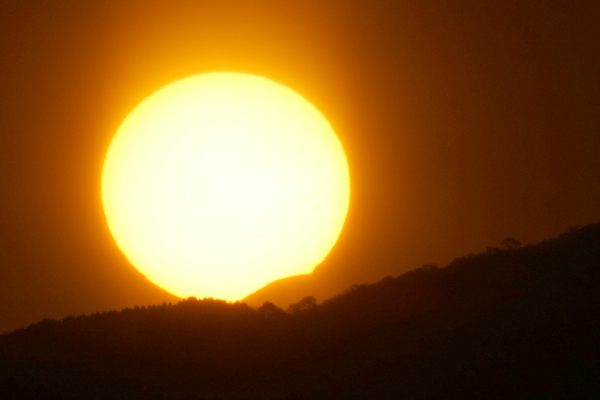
[{"x": 517, "y": 322}]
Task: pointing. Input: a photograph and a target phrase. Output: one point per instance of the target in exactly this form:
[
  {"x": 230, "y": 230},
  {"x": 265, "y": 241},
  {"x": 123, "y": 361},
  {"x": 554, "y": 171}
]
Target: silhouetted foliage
[
  {"x": 523, "y": 323},
  {"x": 510, "y": 243},
  {"x": 269, "y": 310},
  {"x": 307, "y": 303}
]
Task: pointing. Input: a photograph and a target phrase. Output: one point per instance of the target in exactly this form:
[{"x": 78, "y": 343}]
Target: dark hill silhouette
[
  {"x": 30, "y": 292},
  {"x": 519, "y": 322}
]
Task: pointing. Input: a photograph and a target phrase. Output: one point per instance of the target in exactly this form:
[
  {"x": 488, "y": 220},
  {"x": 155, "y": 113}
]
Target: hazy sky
[{"x": 464, "y": 122}]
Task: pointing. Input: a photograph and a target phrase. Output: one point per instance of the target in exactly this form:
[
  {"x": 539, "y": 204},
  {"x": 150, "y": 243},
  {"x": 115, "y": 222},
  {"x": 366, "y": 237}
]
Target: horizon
[
  {"x": 463, "y": 123},
  {"x": 310, "y": 301}
]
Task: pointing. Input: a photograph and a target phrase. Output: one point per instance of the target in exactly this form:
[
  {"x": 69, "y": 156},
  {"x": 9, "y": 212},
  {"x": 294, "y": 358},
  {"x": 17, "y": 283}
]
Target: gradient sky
[{"x": 464, "y": 122}]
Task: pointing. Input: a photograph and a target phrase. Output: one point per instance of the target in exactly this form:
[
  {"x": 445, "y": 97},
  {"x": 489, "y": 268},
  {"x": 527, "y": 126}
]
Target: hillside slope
[{"x": 515, "y": 323}]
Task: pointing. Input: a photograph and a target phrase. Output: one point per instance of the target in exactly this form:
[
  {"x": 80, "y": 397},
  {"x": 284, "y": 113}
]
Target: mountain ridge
[{"x": 516, "y": 322}]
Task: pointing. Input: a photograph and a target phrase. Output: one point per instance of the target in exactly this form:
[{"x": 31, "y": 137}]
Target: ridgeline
[{"x": 517, "y": 322}]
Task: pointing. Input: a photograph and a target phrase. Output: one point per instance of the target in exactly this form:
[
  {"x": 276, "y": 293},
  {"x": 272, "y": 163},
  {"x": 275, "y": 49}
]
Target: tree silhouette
[
  {"x": 307, "y": 303},
  {"x": 510, "y": 243},
  {"x": 512, "y": 324},
  {"x": 269, "y": 309}
]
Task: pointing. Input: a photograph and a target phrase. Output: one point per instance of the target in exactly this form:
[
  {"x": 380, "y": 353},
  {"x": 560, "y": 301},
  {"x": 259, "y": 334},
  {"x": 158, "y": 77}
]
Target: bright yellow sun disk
[{"x": 221, "y": 183}]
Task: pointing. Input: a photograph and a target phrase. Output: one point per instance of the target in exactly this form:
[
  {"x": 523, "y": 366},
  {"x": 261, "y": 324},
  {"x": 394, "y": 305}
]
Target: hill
[{"x": 519, "y": 322}]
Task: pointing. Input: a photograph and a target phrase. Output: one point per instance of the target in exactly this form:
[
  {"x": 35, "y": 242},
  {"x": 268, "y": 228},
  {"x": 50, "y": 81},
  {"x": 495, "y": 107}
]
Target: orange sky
[{"x": 464, "y": 122}]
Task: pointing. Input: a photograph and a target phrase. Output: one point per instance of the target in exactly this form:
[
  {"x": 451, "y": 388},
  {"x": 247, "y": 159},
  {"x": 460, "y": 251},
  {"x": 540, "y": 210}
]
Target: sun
[{"x": 220, "y": 183}]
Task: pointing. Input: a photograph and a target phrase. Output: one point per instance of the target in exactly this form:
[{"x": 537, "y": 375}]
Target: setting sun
[{"x": 220, "y": 183}]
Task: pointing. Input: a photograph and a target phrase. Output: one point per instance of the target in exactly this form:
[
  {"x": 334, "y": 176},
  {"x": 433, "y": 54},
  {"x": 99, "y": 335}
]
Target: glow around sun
[{"x": 218, "y": 184}]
